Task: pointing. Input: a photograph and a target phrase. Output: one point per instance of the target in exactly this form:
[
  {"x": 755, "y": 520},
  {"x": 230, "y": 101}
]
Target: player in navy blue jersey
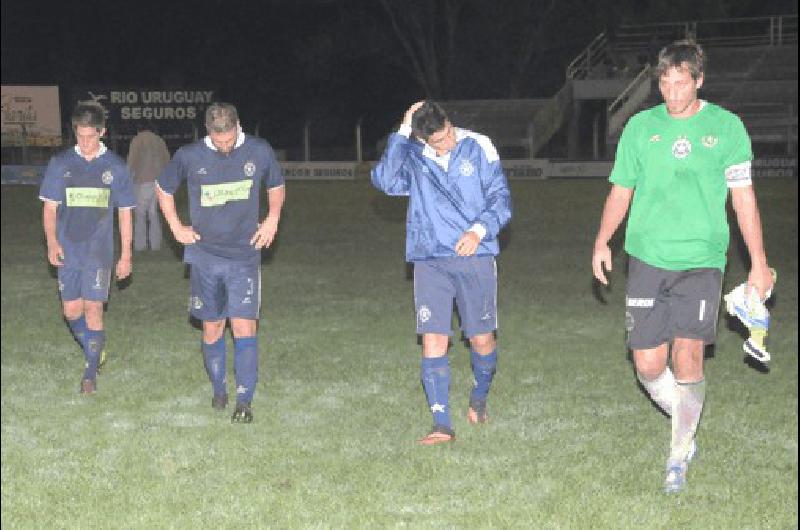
[
  {"x": 458, "y": 202},
  {"x": 80, "y": 190},
  {"x": 224, "y": 174}
]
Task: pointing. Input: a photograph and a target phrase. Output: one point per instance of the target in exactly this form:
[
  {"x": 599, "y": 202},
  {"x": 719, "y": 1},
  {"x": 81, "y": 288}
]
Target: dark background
[{"x": 285, "y": 62}]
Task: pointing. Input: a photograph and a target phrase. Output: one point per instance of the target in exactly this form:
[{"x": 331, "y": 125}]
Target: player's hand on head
[
  {"x": 410, "y": 112},
  {"x": 601, "y": 257},
  {"x": 467, "y": 244}
]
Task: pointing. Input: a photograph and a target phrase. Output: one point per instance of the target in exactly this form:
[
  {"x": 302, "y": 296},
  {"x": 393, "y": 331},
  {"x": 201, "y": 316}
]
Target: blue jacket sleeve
[
  {"x": 392, "y": 175},
  {"x": 497, "y": 210}
]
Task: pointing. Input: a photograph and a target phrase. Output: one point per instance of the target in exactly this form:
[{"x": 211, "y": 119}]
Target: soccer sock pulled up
[
  {"x": 662, "y": 389},
  {"x": 483, "y": 370},
  {"x": 92, "y": 346},
  {"x": 214, "y": 356},
  {"x": 688, "y": 408},
  {"x": 78, "y": 329},
  {"x": 245, "y": 365},
  {"x": 435, "y": 374}
]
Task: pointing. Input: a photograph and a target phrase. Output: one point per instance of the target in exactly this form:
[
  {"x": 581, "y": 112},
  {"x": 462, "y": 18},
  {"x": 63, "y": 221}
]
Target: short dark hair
[
  {"x": 679, "y": 52},
  {"x": 221, "y": 117},
  {"x": 428, "y": 119},
  {"x": 89, "y": 114}
]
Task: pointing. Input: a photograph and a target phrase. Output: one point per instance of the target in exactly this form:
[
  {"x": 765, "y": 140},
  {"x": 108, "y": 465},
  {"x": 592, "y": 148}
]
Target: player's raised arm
[{"x": 390, "y": 175}]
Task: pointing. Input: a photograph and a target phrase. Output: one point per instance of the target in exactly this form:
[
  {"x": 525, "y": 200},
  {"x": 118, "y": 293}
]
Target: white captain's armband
[{"x": 739, "y": 175}]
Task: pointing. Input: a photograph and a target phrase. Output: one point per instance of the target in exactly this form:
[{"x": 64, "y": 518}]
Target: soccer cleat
[
  {"x": 242, "y": 414},
  {"x": 745, "y": 304},
  {"x": 219, "y": 401},
  {"x": 676, "y": 477},
  {"x": 88, "y": 386},
  {"x": 439, "y": 434},
  {"x": 102, "y": 362},
  {"x": 476, "y": 413}
]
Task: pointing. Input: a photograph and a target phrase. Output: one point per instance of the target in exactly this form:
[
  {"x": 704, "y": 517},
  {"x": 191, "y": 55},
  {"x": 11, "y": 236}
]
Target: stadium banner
[
  {"x": 531, "y": 168},
  {"x": 319, "y": 170},
  {"x": 534, "y": 169},
  {"x": 537, "y": 168},
  {"x": 176, "y": 114},
  {"x": 776, "y": 166},
  {"x": 22, "y": 174},
  {"x": 31, "y": 116},
  {"x": 579, "y": 169}
]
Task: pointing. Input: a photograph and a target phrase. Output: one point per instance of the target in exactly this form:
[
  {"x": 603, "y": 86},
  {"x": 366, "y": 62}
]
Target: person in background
[{"x": 147, "y": 157}]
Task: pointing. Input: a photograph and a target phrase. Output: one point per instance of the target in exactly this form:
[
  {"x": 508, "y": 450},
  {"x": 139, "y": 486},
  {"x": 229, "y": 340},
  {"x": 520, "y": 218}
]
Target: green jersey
[{"x": 681, "y": 170}]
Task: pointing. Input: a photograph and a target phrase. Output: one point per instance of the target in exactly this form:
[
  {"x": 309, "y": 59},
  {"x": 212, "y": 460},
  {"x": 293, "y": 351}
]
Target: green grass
[{"x": 572, "y": 442}]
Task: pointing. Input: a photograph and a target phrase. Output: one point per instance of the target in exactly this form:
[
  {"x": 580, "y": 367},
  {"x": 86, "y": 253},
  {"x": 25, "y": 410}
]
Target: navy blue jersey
[
  {"x": 87, "y": 191},
  {"x": 224, "y": 192}
]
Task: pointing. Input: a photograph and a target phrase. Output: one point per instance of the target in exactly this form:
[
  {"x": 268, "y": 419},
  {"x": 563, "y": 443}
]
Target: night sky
[{"x": 284, "y": 62}]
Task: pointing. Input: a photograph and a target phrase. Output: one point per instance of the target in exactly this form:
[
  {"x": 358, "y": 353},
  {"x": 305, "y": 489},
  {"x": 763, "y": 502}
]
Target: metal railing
[
  {"x": 629, "y": 100},
  {"x": 754, "y": 31},
  {"x": 594, "y": 54}
]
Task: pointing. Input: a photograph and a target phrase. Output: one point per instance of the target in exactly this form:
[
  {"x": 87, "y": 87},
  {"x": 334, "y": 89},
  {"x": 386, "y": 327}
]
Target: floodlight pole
[
  {"x": 307, "y": 141},
  {"x": 359, "y": 152}
]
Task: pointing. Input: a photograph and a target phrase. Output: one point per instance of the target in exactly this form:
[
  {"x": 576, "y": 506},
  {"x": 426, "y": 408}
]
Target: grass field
[{"x": 572, "y": 441}]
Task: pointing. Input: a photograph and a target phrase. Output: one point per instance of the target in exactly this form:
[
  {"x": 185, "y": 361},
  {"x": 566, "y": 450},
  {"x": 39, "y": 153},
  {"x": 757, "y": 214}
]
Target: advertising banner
[
  {"x": 30, "y": 116},
  {"x": 176, "y": 114}
]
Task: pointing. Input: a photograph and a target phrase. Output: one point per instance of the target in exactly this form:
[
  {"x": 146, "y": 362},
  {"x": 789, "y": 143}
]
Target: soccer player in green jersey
[{"x": 674, "y": 166}]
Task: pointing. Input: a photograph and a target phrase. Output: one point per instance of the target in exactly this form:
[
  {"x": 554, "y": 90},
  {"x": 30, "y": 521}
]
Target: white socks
[{"x": 683, "y": 402}]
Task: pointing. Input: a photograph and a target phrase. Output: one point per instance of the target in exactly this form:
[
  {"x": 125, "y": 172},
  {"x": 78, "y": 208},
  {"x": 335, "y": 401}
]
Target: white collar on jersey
[
  {"x": 100, "y": 152},
  {"x": 239, "y": 140}
]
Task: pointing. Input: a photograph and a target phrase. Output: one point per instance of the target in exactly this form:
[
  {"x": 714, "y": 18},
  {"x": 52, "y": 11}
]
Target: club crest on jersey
[
  {"x": 709, "y": 141},
  {"x": 424, "y": 313},
  {"x": 107, "y": 177},
  {"x": 466, "y": 168},
  {"x": 195, "y": 302},
  {"x": 681, "y": 148},
  {"x": 249, "y": 168}
]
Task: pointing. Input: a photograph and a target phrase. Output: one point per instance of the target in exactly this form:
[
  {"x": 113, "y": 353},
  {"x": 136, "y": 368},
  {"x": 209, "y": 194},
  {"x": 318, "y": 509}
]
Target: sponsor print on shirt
[
  {"x": 219, "y": 194},
  {"x": 88, "y": 197}
]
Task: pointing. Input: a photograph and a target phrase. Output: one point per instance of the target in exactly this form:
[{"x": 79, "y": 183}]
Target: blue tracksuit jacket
[{"x": 446, "y": 202}]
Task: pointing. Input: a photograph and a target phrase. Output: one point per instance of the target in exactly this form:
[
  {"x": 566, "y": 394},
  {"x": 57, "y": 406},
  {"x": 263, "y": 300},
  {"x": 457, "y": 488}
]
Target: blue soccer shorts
[
  {"x": 90, "y": 283},
  {"x": 226, "y": 289},
  {"x": 470, "y": 281},
  {"x": 662, "y": 305}
]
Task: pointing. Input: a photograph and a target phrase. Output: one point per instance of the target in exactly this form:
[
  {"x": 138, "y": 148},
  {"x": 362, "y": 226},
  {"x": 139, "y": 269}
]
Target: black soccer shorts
[{"x": 662, "y": 305}]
